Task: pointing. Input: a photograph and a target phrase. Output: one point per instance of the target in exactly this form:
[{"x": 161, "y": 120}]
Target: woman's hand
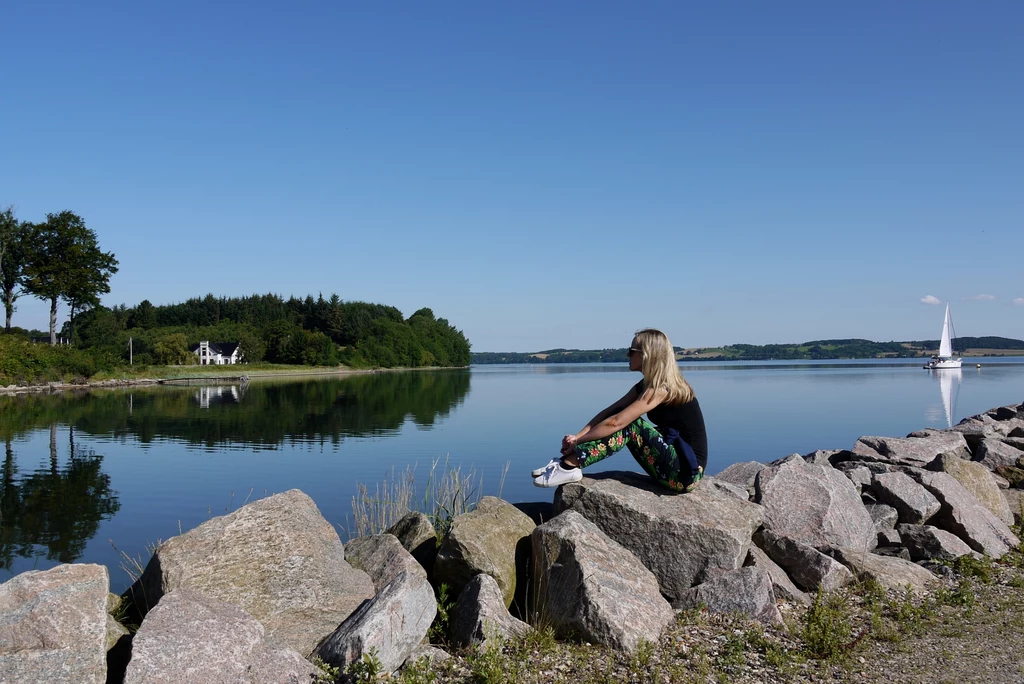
[{"x": 568, "y": 443}]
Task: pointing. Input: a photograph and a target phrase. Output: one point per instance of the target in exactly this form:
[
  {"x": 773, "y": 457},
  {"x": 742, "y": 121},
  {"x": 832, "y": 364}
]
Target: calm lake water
[{"x": 85, "y": 472}]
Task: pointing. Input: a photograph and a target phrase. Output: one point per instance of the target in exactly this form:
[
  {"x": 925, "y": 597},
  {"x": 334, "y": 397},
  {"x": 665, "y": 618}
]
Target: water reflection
[
  {"x": 53, "y": 511},
  {"x": 949, "y": 388},
  {"x": 263, "y": 413}
]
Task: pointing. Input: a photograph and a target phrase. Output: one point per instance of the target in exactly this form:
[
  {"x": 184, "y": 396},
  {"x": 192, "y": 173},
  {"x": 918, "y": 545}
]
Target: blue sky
[{"x": 542, "y": 174}]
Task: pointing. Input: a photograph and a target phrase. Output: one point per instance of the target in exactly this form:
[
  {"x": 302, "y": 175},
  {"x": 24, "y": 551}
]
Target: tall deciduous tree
[
  {"x": 65, "y": 262},
  {"x": 12, "y": 261}
]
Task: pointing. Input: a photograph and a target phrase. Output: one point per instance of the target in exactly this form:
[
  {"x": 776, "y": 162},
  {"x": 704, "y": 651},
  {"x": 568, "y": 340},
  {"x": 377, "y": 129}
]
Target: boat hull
[{"x": 941, "y": 364}]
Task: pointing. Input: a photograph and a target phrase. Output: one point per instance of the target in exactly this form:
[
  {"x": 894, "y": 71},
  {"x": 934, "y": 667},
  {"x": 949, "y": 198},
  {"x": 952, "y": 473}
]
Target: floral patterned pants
[{"x": 650, "y": 450}]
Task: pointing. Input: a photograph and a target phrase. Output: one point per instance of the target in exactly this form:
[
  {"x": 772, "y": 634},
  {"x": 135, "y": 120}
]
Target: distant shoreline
[{"x": 210, "y": 375}]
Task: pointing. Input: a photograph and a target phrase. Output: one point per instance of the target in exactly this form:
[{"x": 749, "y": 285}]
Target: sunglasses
[{"x": 631, "y": 351}]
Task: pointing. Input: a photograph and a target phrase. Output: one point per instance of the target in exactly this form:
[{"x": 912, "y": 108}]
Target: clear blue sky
[{"x": 542, "y": 174}]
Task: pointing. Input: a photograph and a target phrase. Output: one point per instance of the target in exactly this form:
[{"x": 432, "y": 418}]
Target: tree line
[
  {"x": 813, "y": 350},
  {"x": 308, "y": 331},
  {"x": 59, "y": 260}
]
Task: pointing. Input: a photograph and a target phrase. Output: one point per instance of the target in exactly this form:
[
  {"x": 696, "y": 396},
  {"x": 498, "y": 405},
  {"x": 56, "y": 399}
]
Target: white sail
[
  {"x": 950, "y": 390},
  {"x": 945, "y": 346}
]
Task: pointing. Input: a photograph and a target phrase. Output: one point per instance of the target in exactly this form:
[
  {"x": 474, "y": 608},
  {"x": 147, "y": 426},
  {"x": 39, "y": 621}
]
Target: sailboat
[{"x": 945, "y": 358}]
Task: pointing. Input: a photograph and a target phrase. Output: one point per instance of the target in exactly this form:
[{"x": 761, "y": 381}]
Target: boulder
[
  {"x": 884, "y": 516},
  {"x": 383, "y": 558},
  {"x": 833, "y": 456},
  {"x": 1015, "y": 502},
  {"x": 891, "y": 573},
  {"x": 747, "y": 591},
  {"x": 781, "y": 584},
  {"x": 892, "y": 551},
  {"x": 192, "y": 638},
  {"x": 809, "y": 569},
  {"x": 814, "y": 504},
  {"x": 1013, "y": 475},
  {"x": 912, "y": 451},
  {"x": 425, "y": 652},
  {"x": 741, "y": 474},
  {"x": 913, "y": 503},
  {"x": 859, "y": 475},
  {"x": 492, "y": 539},
  {"x": 963, "y": 515},
  {"x": 678, "y": 537},
  {"x": 925, "y": 542},
  {"x": 728, "y": 488},
  {"x": 276, "y": 558},
  {"x": 417, "y": 535},
  {"x": 393, "y": 623},
  {"x": 888, "y": 538},
  {"x": 53, "y": 625},
  {"x": 974, "y": 431},
  {"x": 1008, "y": 412},
  {"x": 481, "y": 616},
  {"x": 976, "y": 479},
  {"x": 993, "y": 453},
  {"x": 587, "y": 586}
]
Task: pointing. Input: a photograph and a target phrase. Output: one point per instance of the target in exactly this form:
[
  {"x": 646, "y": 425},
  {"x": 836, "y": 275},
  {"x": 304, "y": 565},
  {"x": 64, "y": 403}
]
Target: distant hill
[{"x": 815, "y": 349}]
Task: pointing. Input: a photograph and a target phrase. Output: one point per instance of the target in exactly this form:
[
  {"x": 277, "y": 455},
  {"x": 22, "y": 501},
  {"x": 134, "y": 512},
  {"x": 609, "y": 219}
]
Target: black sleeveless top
[{"x": 686, "y": 418}]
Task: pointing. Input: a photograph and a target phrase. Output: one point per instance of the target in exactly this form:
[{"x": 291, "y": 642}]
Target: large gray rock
[
  {"x": 678, "y": 537},
  {"x": 747, "y": 591},
  {"x": 383, "y": 558},
  {"x": 192, "y": 638},
  {"x": 832, "y": 457},
  {"x": 963, "y": 515},
  {"x": 393, "y": 623},
  {"x": 481, "y": 616},
  {"x": 1015, "y": 502},
  {"x": 418, "y": 536},
  {"x": 890, "y": 572},
  {"x": 975, "y": 431},
  {"x": 492, "y": 539},
  {"x": 884, "y": 516},
  {"x": 913, "y": 503},
  {"x": 587, "y": 586},
  {"x": 978, "y": 480},
  {"x": 912, "y": 451},
  {"x": 810, "y": 569},
  {"x": 925, "y": 542},
  {"x": 727, "y": 488},
  {"x": 53, "y": 625},
  {"x": 276, "y": 558},
  {"x": 814, "y": 504},
  {"x": 741, "y": 474},
  {"x": 781, "y": 584},
  {"x": 993, "y": 453}
]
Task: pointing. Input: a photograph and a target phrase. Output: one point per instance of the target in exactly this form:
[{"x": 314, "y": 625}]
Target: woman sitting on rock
[{"x": 674, "y": 450}]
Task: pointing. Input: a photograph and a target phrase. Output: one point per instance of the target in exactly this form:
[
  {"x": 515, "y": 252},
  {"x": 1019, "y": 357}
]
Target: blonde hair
[{"x": 658, "y": 364}]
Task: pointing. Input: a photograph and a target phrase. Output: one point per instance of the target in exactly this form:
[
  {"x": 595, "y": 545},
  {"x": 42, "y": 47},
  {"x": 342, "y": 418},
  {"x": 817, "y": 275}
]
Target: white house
[{"x": 217, "y": 353}]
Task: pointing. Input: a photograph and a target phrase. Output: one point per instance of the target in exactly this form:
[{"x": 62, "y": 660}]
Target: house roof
[{"x": 222, "y": 348}]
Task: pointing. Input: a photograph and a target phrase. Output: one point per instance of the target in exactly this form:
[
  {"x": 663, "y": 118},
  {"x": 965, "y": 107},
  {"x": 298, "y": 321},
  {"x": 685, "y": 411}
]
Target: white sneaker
[
  {"x": 557, "y": 475},
  {"x": 540, "y": 471}
]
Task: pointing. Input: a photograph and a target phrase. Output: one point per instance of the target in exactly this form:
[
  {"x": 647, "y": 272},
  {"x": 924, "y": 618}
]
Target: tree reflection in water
[
  {"x": 56, "y": 509},
  {"x": 53, "y": 511}
]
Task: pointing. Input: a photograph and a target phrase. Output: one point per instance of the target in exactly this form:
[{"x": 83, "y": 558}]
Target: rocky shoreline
[{"x": 638, "y": 583}]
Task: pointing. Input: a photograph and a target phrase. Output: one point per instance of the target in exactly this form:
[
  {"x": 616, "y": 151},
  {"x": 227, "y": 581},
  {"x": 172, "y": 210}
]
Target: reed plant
[{"x": 448, "y": 492}]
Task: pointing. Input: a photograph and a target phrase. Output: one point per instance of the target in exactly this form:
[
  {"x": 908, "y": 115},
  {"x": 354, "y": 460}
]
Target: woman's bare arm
[{"x": 615, "y": 421}]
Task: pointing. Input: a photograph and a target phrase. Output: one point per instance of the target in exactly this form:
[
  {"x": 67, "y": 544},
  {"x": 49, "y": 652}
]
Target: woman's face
[{"x": 635, "y": 357}]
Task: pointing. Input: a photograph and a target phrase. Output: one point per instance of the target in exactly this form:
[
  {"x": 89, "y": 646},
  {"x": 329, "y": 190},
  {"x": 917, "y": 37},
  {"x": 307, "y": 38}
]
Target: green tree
[
  {"x": 144, "y": 315},
  {"x": 65, "y": 262},
  {"x": 172, "y": 350},
  {"x": 13, "y": 241}
]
